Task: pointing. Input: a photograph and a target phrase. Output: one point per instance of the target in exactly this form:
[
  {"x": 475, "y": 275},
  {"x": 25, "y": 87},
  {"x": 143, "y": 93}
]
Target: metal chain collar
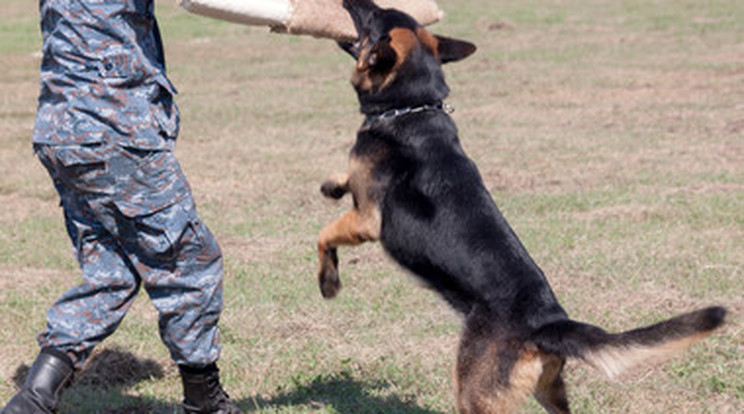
[{"x": 394, "y": 113}]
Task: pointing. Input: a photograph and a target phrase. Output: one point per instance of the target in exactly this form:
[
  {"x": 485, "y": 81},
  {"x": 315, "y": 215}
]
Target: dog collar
[{"x": 394, "y": 113}]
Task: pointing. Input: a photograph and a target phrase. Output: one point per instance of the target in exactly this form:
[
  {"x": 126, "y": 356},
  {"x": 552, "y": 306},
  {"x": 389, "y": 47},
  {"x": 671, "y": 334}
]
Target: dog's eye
[{"x": 372, "y": 59}]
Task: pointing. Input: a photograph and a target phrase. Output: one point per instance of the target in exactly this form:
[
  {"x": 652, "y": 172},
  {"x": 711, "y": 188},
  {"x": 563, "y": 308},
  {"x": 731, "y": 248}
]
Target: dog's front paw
[
  {"x": 333, "y": 189},
  {"x": 328, "y": 279}
]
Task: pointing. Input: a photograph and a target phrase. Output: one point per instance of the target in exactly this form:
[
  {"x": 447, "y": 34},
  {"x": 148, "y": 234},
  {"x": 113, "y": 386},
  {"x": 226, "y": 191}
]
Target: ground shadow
[
  {"x": 341, "y": 392},
  {"x": 101, "y": 387}
]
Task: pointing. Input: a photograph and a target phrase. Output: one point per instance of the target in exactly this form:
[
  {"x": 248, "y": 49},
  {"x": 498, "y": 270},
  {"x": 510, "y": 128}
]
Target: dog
[{"x": 416, "y": 191}]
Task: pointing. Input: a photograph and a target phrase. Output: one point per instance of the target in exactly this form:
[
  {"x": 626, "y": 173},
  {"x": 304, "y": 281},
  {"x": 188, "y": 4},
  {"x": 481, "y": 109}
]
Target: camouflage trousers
[{"x": 132, "y": 221}]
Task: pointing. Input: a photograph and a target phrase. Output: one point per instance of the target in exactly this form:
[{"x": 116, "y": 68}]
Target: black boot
[
  {"x": 51, "y": 372},
  {"x": 203, "y": 393}
]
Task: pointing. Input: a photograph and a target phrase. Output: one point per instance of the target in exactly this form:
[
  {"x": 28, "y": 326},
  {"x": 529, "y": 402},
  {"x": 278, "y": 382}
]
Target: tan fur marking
[
  {"x": 551, "y": 369},
  {"x": 429, "y": 40},
  {"x": 613, "y": 361},
  {"x": 342, "y": 179},
  {"x": 363, "y": 222},
  {"x": 346, "y": 230},
  {"x": 360, "y": 184},
  {"x": 357, "y": 226},
  {"x": 551, "y": 391},
  {"x": 403, "y": 41},
  {"x": 360, "y": 78},
  {"x": 522, "y": 382},
  {"x": 477, "y": 393}
]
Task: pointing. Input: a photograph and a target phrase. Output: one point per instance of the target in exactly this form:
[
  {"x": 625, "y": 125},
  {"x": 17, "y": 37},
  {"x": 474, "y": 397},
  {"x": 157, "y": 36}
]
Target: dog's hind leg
[
  {"x": 493, "y": 375},
  {"x": 353, "y": 228},
  {"x": 551, "y": 390}
]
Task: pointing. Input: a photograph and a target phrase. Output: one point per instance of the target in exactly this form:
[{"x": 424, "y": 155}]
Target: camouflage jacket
[{"x": 103, "y": 76}]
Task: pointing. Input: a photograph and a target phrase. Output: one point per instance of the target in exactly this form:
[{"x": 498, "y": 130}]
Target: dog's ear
[{"x": 452, "y": 50}]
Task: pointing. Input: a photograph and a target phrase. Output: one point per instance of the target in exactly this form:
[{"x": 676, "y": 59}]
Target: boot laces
[{"x": 219, "y": 400}]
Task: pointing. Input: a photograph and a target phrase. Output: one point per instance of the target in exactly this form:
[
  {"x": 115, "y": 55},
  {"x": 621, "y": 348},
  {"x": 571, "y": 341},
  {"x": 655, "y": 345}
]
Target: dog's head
[{"x": 398, "y": 61}]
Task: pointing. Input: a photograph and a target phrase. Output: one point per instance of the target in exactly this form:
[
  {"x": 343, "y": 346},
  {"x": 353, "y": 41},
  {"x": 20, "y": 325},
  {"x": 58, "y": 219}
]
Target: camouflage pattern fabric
[
  {"x": 103, "y": 75},
  {"x": 105, "y": 129},
  {"x": 133, "y": 222}
]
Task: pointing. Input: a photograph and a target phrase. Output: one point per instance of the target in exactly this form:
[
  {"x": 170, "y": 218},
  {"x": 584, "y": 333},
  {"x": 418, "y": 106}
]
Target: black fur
[{"x": 438, "y": 219}]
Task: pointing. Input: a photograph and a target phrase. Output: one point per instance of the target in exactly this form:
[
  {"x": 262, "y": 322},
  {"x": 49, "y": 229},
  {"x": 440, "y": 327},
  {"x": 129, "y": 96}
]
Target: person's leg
[
  {"x": 181, "y": 268},
  {"x": 89, "y": 312},
  {"x": 184, "y": 282}
]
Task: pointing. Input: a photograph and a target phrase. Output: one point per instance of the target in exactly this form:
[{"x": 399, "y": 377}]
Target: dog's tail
[{"x": 615, "y": 353}]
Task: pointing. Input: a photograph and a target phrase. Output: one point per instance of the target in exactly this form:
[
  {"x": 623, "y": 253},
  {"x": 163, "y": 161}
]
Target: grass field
[{"x": 611, "y": 134}]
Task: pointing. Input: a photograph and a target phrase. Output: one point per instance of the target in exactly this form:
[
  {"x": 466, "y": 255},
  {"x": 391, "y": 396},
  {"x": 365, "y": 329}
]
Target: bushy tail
[{"x": 615, "y": 353}]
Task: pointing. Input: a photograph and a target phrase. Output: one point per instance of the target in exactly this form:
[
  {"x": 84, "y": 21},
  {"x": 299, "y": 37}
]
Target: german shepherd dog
[{"x": 417, "y": 192}]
